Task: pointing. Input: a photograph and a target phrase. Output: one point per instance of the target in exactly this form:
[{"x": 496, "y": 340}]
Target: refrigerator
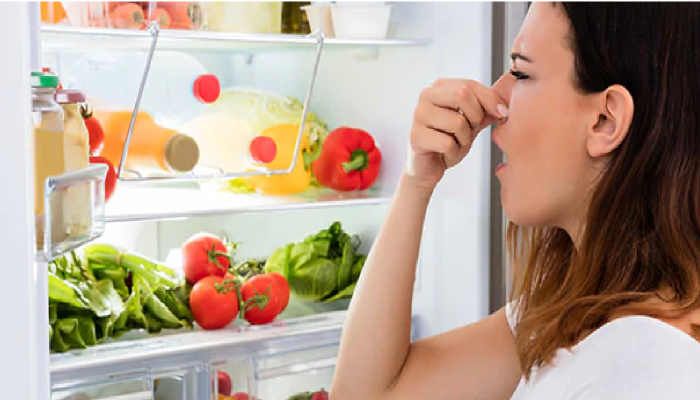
[{"x": 372, "y": 84}]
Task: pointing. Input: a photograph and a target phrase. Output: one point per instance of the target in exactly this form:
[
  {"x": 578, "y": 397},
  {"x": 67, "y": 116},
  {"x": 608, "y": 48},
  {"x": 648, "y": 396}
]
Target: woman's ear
[{"x": 615, "y": 112}]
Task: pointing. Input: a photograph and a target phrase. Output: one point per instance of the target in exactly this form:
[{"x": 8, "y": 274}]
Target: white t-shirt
[{"x": 635, "y": 358}]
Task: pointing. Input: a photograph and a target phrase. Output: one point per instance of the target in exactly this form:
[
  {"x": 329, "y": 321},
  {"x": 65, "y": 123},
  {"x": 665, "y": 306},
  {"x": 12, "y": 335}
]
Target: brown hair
[{"x": 642, "y": 231}]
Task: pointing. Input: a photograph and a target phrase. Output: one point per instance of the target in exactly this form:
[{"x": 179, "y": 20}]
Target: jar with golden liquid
[{"x": 57, "y": 151}]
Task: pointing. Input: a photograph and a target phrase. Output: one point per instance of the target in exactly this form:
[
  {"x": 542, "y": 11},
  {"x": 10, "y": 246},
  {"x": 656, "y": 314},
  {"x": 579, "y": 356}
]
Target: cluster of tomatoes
[{"x": 218, "y": 296}]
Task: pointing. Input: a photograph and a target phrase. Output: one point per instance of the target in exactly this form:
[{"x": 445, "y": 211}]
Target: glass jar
[
  {"x": 75, "y": 203},
  {"x": 294, "y": 19},
  {"x": 49, "y": 161}
]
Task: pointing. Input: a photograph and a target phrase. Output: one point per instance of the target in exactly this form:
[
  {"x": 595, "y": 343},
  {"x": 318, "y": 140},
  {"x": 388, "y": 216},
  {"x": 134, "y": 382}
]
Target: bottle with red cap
[{"x": 178, "y": 88}]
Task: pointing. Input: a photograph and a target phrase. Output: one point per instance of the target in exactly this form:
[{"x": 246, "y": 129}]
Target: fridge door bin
[
  {"x": 74, "y": 212},
  {"x": 136, "y": 386},
  {"x": 175, "y": 384},
  {"x": 231, "y": 379},
  {"x": 295, "y": 374}
]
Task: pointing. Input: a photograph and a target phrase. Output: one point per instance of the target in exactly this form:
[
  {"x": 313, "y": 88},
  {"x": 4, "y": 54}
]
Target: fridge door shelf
[
  {"x": 184, "y": 348},
  {"x": 59, "y": 38},
  {"x": 65, "y": 225}
]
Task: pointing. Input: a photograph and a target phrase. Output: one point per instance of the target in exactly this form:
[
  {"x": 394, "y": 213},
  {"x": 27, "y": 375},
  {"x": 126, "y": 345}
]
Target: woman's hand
[{"x": 447, "y": 119}]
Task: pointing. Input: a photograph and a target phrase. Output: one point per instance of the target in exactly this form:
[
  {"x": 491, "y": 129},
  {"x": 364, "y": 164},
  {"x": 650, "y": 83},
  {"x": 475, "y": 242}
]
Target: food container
[
  {"x": 75, "y": 203},
  {"x": 361, "y": 20},
  {"x": 47, "y": 116},
  {"x": 184, "y": 15},
  {"x": 60, "y": 146},
  {"x": 244, "y": 16},
  {"x": 320, "y": 18},
  {"x": 152, "y": 147}
]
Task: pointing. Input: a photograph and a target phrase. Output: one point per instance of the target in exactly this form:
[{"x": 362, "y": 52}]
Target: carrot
[
  {"x": 52, "y": 12},
  {"x": 185, "y": 15},
  {"x": 127, "y": 16},
  {"x": 111, "y": 5},
  {"x": 160, "y": 16}
]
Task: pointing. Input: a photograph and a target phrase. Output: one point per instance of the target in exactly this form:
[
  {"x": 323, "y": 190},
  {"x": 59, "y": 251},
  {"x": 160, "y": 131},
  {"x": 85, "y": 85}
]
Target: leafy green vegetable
[
  {"x": 109, "y": 293},
  {"x": 323, "y": 267}
]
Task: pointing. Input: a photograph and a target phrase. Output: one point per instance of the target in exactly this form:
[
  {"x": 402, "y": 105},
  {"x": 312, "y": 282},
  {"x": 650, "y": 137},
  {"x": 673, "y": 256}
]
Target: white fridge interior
[{"x": 373, "y": 86}]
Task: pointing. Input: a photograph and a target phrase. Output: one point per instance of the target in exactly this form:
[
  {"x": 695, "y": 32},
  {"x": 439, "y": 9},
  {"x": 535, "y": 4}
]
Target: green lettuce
[{"x": 323, "y": 267}]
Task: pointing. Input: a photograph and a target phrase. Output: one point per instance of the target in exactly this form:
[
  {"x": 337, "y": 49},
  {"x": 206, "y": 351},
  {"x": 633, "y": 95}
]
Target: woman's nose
[{"x": 503, "y": 87}]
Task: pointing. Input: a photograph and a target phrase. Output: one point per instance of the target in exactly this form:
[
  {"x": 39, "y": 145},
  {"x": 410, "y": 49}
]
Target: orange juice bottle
[
  {"x": 274, "y": 149},
  {"x": 152, "y": 147}
]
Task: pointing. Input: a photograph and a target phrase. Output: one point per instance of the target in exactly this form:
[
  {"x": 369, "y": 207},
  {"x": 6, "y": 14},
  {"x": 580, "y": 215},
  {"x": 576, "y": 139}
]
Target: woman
[{"x": 599, "y": 119}]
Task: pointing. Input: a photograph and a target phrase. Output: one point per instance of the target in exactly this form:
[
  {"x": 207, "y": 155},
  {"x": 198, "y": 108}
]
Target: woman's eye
[{"x": 518, "y": 75}]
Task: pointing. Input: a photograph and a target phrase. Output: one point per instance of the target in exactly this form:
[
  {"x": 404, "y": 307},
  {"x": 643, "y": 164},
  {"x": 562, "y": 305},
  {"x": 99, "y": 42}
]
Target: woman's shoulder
[
  {"x": 643, "y": 335},
  {"x": 638, "y": 356}
]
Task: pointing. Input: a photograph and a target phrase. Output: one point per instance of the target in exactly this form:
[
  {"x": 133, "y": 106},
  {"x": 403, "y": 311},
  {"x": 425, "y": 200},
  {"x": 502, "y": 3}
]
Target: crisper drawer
[
  {"x": 171, "y": 384},
  {"x": 293, "y": 375}
]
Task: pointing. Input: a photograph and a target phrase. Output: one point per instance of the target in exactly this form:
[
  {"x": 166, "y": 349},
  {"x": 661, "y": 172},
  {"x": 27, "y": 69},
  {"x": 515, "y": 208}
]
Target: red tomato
[
  {"x": 261, "y": 296},
  {"x": 240, "y": 396},
  {"x": 320, "y": 395},
  {"x": 283, "y": 287},
  {"x": 204, "y": 254},
  {"x": 224, "y": 382},
  {"x": 110, "y": 179},
  {"x": 214, "y": 304}
]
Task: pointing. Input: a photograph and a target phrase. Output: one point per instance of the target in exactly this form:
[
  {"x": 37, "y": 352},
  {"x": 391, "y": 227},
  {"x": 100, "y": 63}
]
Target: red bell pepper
[{"x": 349, "y": 160}]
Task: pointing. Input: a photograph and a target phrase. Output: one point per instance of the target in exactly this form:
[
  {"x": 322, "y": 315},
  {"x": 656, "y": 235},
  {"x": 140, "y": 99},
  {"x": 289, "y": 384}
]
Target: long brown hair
[{"x": 642, "y": 231}]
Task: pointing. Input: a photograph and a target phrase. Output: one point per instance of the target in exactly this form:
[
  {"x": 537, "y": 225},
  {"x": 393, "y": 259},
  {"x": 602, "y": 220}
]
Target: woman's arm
[{"x": 377, "y": 360}]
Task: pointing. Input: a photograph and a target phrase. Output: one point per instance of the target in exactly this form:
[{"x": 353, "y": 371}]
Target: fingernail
[{"x": 502, "y": 109}]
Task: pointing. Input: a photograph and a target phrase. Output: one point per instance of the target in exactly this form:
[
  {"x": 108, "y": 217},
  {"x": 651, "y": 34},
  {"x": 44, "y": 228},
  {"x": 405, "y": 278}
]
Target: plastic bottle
[
  {"x": 177, "y": 90},
  {"x": 153, "y": 148},
  {"x": 274, "y": 149}
]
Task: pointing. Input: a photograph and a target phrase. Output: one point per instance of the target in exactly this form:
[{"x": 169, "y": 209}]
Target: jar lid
[
  {"x": 43, "y": 80},
  {"x": 263, "y": 149},
  {"x": 69, "y": 96},
  {"x": 206, "y": 88}
]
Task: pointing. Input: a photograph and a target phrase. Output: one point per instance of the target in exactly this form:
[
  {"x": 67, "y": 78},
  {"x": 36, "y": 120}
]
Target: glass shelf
[
  {"x": 133, "y": 203},
  {"x": 56, "y": 38}
]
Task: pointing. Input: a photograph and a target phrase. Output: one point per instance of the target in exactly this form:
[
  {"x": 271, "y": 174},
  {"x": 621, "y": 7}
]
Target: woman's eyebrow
[{"x": 519, "y": 56}]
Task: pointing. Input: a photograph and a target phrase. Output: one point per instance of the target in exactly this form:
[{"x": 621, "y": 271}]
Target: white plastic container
[
  {"x": 361, "y": 20},
  {"x": 320, "y": 18},
  {"x": 177, "y": 90}
]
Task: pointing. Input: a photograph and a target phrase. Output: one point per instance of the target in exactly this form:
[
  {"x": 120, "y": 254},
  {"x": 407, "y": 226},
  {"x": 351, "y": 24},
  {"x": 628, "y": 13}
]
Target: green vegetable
[
  {"x": 109, "y": 293},
  {"x": 64, "y": 292},
  {"x": 323, "y": 267},
  {"x": 154, "y": 273}
]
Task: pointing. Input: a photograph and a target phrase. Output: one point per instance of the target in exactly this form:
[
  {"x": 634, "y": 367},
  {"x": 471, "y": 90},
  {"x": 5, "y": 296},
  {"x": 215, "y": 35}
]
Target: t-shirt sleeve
[
  {"x": 639, "y": 360},
  {"x": 511, "y": 316}
]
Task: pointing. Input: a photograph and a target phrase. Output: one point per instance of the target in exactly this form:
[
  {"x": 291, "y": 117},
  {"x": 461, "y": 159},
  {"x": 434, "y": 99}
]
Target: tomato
[
  {"x": 214, "y": 302},
  {"x": 110, "y": 179},
  {"x": 204, "y": 254},
  {"x": 283, "y": 287},
  {"x": 320, "y": 395},
  {"x": 261, "y": 296},
  {"x": 239, "y": 396},
  {"x": 224, "y": 382}
]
